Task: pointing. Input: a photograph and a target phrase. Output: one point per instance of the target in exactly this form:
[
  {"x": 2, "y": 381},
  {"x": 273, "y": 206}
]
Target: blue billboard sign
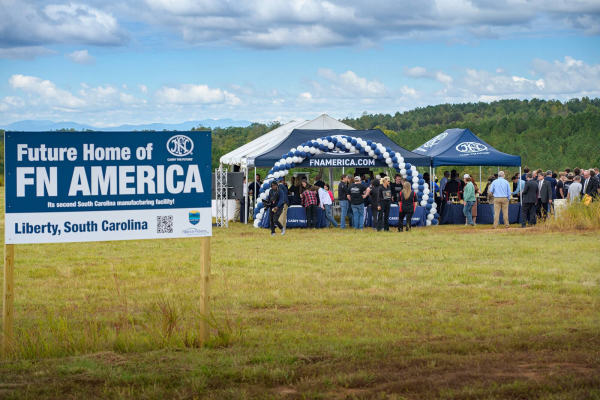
[{"x": 92, "y": 186}]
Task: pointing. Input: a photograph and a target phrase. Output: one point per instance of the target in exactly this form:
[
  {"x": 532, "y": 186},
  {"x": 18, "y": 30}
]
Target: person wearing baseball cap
[{"x": 276, "y": 205}]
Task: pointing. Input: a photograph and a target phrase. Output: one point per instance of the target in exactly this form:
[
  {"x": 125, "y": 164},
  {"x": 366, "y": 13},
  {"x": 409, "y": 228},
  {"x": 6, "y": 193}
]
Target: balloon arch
[{"x": 348, "y": 144}]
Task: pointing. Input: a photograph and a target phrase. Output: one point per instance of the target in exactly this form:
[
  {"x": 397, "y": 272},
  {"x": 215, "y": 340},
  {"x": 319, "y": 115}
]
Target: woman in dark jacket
[
  {"x": 407, "y": 206},
  {"x": 374, "y": 201}
]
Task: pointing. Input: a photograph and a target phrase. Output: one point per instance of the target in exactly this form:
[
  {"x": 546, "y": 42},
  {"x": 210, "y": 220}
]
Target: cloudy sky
[{"x": 106, "y": 63}]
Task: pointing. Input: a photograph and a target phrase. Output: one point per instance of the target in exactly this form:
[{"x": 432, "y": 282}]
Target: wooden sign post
[
  {"x": 9, "y": 289},
  {"x": 205, "y": 291}
]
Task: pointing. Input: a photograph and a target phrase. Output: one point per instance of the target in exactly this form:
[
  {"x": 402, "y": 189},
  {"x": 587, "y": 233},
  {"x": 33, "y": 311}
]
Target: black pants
[
  {"x": 409, "y": 216},
  {"x": 383, "y": 216},
  {"x": 541, "y": 210},
  {"x": 243, "y": 215},
  {"x": 311, "y": 216},
  {"x": 274, "y": 217},
  {"x": 528, "y": 214}
]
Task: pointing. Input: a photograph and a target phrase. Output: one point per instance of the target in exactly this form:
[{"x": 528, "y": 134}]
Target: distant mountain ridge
[{"x": 39, "y": 126}]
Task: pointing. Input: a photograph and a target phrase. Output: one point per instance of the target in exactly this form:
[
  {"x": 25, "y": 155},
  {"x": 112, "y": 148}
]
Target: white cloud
[
  {"x": 47, "y": 91},
  {"x": 25, "y": 53},
  {"x": 81, "y": 57},
  {"x": 350, "y": 85},
  {"x": 143, "y": 88},
  {"x": 195, "y": 94},
  {"x": 420, "y": 72}
]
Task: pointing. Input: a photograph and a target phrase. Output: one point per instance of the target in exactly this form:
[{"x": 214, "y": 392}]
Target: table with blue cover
[
  {"x": 296, "y": 218},
  {"x": 418, "y": 219},
  {"x": 453, "y": 214}
]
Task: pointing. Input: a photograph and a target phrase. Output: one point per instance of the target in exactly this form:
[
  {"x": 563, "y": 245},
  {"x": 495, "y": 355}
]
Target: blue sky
[{"x": 107, "y": 63}]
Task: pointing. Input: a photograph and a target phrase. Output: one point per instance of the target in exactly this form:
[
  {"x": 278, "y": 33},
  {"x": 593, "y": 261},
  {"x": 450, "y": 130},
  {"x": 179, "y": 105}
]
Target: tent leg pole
[
  {"x": 480, "y": 176},
  {"x": 255, "y": 194}
]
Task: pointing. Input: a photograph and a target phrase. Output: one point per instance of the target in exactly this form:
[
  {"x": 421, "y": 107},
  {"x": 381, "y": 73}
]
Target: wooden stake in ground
[
  {"x": 205, "y": 290},
  {"x": 9, "y": 290}
]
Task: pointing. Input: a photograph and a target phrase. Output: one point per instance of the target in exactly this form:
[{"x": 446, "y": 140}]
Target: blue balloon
[
  {"x": 296, "y": 153},
  {"x": 388, "y": 149},
  {"x": 284, "y": 156},
  {"x": 392, "y": 153},
  {"x": 288, "y": 166},
  {"x": 428, "y": 207},
  {"x": 358, "y": 146},
  {"x": 409, "y": 172},
  {"x": 436, "y": 215},
  {"x": 420, "y": 176},
  {"x": 353, "y": 142},
  {"x": 435, "y": 222},
  {"x": 430, "y": 200},
  {"x": 395, "y": 165},
  {"x": 380, "y": 157},
  {"x": 290, "y": 154},
  {"x": 261, "y": 190},
  {"x": 292, "y": 165},
  {"x": 395, "y": 159},
  {"x": 377, "y": 151},
  {"x": 321, "y": 147},
  {"x": 369, "y": 142},
  {"x": 338, "y": 145},
  {"x": 419, "y": 195},
  {"x": 303, "y": 154},
  {"x": 421, "y": 181},
  {"x": 303, "y": 144},
  {"x": 270, "y": 172},
  {"x": 309, "y": 154},
  {"x": 421, "y": 188},
  {"x": 408, "y": 166},
  {"x": 328, "y": 138},
  {"x": 334, "y": 140}
]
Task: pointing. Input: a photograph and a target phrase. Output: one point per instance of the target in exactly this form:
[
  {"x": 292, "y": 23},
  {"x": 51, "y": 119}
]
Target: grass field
[{"x": 443, "y": 312}]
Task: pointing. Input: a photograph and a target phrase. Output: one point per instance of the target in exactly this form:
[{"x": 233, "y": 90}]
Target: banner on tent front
[{"x": 93, "y": 186}]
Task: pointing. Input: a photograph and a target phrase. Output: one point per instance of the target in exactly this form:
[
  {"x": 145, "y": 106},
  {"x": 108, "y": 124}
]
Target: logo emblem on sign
[
  {"x": 433, "y": 142},
  {"x": 180, "y": 145},
  {"x": 471, "y": 147},
  {"x": 194, "y": 217}
]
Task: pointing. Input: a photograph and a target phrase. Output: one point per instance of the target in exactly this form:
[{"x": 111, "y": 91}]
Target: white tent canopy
[{"x": 245, "y": 155}]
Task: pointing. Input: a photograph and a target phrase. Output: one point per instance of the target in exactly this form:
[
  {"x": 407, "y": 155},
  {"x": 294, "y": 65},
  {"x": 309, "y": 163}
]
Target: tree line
[{"x": 547, "y": 134}]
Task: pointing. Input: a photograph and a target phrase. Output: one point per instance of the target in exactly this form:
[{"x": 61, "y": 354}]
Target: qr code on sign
[{"x": 164, "y": 224}]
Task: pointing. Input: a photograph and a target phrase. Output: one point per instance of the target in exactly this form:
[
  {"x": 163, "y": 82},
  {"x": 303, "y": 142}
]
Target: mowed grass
[{"x": 442, "y": 312}]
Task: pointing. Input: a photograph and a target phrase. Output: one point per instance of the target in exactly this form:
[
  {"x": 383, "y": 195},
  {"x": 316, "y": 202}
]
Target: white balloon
[
  {"x": 402, "y": 171},
  {"x": 294, "y": 159},
  {"x": 434, "y": 206},
  {"x": 423, "y": 203},
  {"x": 415, "y": 186},
  {"x": 426, "y": 191},
  {"x": 430, "y": 217},
  {"x": 404, "y": 176},
  {"x": 348, "y": 145},
  {"x": 428, "y": 223},
  {"x": 415, "y": 179},
  {"x": 288, "y": 160},
  {"x": 368, "y": 149},
  {"x": 425, "y": 197},
  {"x": 331, "y": 146},
  {"x": 386, "y": 155},
  {"x": 413, "y": 167},
  {"x": 371, "y": 153},
  {"x": 277, "y": 164},
  {"x": 402, "y": 165},
  {"x": 352, "y": 149},
  {"x": 267, "y": 192},
  {"x": 344, "y": 141},
  {"x": 312, "y": 150},
  {"x": 400, "y": 159},
  {"x": 262, "y": 196},
  {"x": 426, "y": 185},
  {"x": 306, "y": 149},
  {"x": 277, "y": 174},
  {"x": 389, "y": 162},
  {"x": 256, "y": 223},
  {"x": 325, "y": 142}
]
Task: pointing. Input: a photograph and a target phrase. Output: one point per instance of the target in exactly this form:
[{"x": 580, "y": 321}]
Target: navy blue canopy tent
[
  {"x": 334, "y": 158},
  {"x": 463, "y": 147}
]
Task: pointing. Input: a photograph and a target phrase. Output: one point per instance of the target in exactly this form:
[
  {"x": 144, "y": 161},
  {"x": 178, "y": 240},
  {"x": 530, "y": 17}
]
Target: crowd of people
[{"x": 538, "y": 190}]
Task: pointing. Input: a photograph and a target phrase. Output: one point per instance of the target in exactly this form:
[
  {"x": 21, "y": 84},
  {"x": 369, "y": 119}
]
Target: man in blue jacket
[{"x": 276, "y": 204}]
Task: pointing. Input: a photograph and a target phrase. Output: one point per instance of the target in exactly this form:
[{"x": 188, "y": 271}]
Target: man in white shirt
[
  {"x": 326, "y": 204},
  {"x": 575, "y": 189}
]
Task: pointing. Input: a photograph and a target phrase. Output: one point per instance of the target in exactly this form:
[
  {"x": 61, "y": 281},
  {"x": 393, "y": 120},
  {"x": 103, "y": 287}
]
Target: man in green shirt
[{"x": 469, "y": 199}]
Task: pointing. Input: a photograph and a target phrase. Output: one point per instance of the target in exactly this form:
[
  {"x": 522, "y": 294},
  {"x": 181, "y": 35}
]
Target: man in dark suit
[
  {"x": 530, "y": 196},
  {"x": 254, "y": 189},
  {"x": 544, "y": 196},
  {"x": 590, "y": 185}
]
